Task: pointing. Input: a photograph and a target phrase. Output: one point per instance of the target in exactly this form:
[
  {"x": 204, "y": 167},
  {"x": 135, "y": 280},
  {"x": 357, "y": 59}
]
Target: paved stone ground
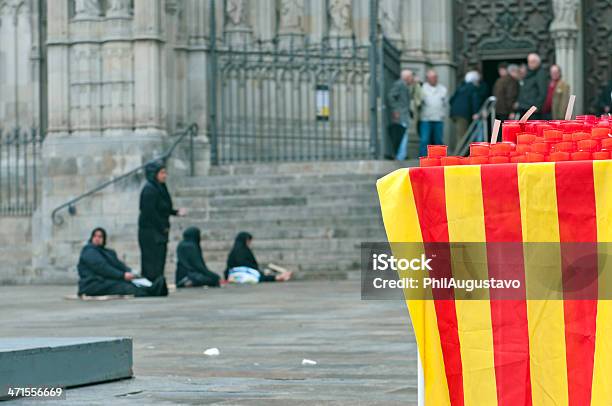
[{"x": 365, "y": 350}]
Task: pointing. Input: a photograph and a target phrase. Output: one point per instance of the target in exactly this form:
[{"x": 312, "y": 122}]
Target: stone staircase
[{"x": 309, "y": 217}]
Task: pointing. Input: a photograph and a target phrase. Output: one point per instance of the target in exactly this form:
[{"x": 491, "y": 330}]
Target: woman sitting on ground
[
  {"x": 191, "y": 270},
  {"x": 101, "y": 273},
  {"x": 242, "y": 267}
]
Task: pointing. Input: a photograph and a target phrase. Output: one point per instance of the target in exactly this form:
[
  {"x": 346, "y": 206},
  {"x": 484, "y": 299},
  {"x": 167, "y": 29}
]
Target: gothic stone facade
[{"x": 109, "y": 80}]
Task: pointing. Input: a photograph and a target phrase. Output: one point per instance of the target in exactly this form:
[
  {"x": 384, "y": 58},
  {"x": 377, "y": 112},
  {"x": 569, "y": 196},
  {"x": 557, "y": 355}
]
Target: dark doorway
[{"x": 489, "y": 69}]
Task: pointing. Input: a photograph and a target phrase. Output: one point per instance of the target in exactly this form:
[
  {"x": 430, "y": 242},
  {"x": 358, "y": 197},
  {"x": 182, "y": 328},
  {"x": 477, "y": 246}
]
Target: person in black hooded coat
[
  {"x": 102, "y": 273},
  {"x": 242, "y": 256},
  {"x": 154, "y": 221},
  {"x": 191, "y": 270}
]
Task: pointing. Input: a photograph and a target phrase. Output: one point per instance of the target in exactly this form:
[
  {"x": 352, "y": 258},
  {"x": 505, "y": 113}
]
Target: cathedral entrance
[{"x": 489, "y": 68}]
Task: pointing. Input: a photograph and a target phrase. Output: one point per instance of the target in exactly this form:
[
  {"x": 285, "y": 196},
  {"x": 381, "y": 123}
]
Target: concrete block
[{"x": 63, "y": 362}]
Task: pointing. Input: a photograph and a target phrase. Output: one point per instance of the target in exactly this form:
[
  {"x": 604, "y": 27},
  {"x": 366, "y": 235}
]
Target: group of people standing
[
  {"x": 517, "y": 89},
  {"x": 411, "y": 103},
  {"x": 101, "y": 272}
]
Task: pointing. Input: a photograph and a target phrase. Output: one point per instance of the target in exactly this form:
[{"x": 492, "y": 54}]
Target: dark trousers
[{"x": 152, "y": 253}]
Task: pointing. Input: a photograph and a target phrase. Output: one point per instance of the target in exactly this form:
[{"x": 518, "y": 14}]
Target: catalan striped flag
[{"x": 509, "y": 352}]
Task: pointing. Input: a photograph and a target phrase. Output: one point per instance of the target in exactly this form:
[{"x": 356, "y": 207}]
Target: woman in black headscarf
[
  {"x": 102, "y": 273},
  {"x": 241, "y": 262},
  {"x": 154, "y": 221},
  {"x": 191, "y": 270}
]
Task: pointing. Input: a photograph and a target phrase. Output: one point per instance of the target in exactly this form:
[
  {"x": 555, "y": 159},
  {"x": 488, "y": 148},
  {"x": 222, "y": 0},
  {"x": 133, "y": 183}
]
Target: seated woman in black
[
  {"x": 242, "y": 267},
  {"x": 102, "y": 273},
  {"x": 191, "y": 270}
]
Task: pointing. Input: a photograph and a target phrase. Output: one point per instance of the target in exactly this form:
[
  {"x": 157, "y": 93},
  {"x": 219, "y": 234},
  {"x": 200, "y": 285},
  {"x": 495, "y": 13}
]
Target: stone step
[
  {"x": 367, "y": 233},
  {"x": 342, "y": 167},
  {"x": 272, "y": 201},
  {"x": 257, "y": 225},
  {"x": 276, "y": 213},
  {"x": 296, "y": 179},
  {"x": 291, "y": 189}
]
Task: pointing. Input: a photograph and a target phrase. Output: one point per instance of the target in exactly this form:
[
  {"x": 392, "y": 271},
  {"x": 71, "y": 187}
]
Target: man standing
[
  {"x": 535, "y": 86},
  {"x": 557, "y": 96},
  {"x": 433, "y": 111},
  {"x": 505, "y": 90},
  {"x": 399, "y": 102},
  {"x": 465, "y": 105}
]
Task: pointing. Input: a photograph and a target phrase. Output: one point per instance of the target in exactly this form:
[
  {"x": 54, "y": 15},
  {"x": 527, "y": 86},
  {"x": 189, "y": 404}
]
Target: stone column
[
  {"x": 564, "y": 30},
  {"x": 412, "y": 33},
  {"x": 316, "y": 21},
  {"x": 148, "y": 66},
  {"x": 57, "y": 67}
]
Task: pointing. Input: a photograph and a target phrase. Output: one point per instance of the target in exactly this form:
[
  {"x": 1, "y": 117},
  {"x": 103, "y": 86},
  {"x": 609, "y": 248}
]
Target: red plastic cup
[
  {"x": 501, "y": 148},
  {"x": 477, "y": 160},
  {"x": 535, "y": 157},
  {"x": 450, "y": 160},
  {"x": 436, "y": 151},
  {"x": 518, "y": 159},
  {"x": 522, "y": 148},
  {"x": 541, "y": 128},
  {"x": 581, "y": 156},
  {"x": 600, "y": 133},
  {"x": 479, "y": 149},
  {"x": 563, "y": 146},
  {"x": 587, "y": 145},
  {"x": 525, "y": 138},
  {"x": 579, "y": 136},
  {"x": 607, "y": 143},
  {"x": 553, "y": 135},
  {"x": 559, "y": 156},
  {"x": 510, "y": 131},
  {"x": 426, "y": 161},
  {"x": 572, "y": 126},
  {"x": 601, "y": 155},
  {"x": 541, "y": 147},
  {"x": 499, "y": 159}
]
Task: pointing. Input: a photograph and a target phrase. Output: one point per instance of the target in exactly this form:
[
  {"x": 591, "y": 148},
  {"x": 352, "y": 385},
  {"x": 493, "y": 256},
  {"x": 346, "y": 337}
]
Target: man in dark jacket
[
  {"x": 535, "y": 86},
  {"x": 154, "y": 221},
  {"x": 506, "y": 91},
  {"x": 102, "y": 273},
  {"x": 191, "y": 270},
  {"x": 465, "y": 105},
  {"x": 398, "y": 100}
]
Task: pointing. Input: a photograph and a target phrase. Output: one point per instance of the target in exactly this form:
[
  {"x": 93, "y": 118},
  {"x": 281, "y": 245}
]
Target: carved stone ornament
[
  {"x": 340, "y": 17},
  {"x": 236, "y": 12},
  {"x": 291, "y": 15},
  {"x": 389, "y": 17},
  {"x": 565, "y": 12}
]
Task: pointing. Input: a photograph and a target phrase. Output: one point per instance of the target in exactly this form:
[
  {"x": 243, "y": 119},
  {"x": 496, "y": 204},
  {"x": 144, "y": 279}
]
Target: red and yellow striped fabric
[{"x": 501, "y": 352}]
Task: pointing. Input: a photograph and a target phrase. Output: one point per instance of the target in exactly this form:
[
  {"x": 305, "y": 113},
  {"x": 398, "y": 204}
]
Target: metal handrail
[
  {"x": 190, "y": 131},
  {"x": 485, "y": 114}
]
